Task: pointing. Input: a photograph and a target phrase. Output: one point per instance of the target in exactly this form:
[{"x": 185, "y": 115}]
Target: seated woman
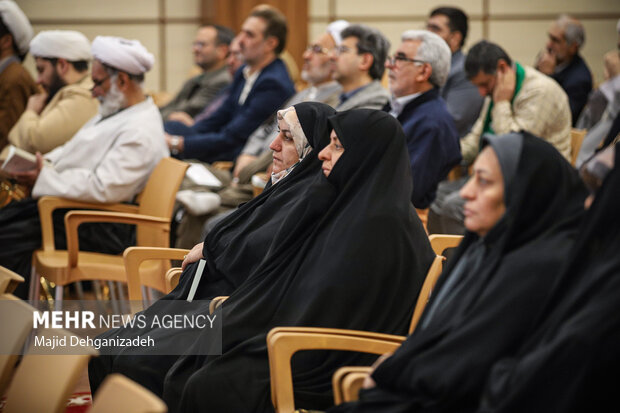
[
  {"x": 362, "y": 268},
  {"x": 523, "y": 205},
  {"x": 571, "y": 361},
  {"x": 251, "y": 235}
]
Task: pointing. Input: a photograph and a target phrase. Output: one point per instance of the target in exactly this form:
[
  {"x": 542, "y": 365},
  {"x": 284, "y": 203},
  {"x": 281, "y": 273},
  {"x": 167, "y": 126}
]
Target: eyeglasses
[
  {"x": 200, "y": 45},
  {"x": 99, "y": 83},
  {"x": 338, "y": 50},
  {"x": 393, "y": 60},
  {"x": 317, "y": 49}
]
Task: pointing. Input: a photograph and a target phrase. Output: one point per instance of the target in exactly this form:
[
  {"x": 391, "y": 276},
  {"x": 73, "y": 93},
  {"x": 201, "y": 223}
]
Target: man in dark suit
[
  {"x": 418, "y": 68},
  {"x": 561, "y": 61},
  {"x": 259, "y": 88}
]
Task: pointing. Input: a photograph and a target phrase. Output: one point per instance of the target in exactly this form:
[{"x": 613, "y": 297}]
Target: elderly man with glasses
[{"x": 417, "y": 70}]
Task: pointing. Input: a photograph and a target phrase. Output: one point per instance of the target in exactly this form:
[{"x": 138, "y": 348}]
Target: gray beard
[{"x": 112, "y": 102}]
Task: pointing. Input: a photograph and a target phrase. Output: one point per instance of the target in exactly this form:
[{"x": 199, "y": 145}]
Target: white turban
[
  {"x": 63, "y": 44},
  {"x": 335, "y": 28},
  {"x": 122, "y": 54},
  {"x": 17, "y": 23}
]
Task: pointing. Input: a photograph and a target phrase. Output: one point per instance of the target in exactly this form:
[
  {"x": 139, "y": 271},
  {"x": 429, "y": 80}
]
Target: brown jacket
[{"x": 16, "y": 86}]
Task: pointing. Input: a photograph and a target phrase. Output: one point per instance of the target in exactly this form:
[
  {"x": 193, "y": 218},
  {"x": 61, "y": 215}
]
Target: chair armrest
[
  {"x": 345, "y": 382},
  {"x": 48, "y": 204},
  {"x": 283, "y": 342},
  {"x": 74, "y": 218},
  {"x": 134, "y": 256},
  {"x": 441, "y": 242},
  {"x": 172, "y": 278},
  {"x": 216, "y": 302}
]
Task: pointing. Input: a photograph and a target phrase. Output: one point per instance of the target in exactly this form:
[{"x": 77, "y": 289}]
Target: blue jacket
[
  {"x": 222, "y": 135},
  {"x": 576, "y": 80},
  {"x": 432, "y": 142}
]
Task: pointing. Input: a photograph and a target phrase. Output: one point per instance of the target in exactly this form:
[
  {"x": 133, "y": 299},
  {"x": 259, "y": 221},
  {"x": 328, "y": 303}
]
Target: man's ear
[
  {"x": 425, "y": 73},
  {"x": 366, "y": 62},
  {"x": 272, "y": 42},
  {"x": 62, "y": 66},
  {"x": 123, "y": 81},
  {"x": 455, "y": 40}
]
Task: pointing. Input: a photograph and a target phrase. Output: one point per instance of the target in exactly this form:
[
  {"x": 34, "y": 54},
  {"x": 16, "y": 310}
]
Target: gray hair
[
  {"x": 573, "y": 30},
  {"x": 434, "y": 50}
]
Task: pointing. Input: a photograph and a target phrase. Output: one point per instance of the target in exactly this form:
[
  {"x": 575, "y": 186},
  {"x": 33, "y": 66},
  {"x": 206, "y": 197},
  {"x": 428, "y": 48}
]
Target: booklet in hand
[{"x": 17, "y": 160}]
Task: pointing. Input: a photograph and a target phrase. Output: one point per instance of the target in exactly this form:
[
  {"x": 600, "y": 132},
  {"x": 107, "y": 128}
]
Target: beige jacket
[
  {"x": 61, "y": 118},
  {"x": 541, "y": 108}
]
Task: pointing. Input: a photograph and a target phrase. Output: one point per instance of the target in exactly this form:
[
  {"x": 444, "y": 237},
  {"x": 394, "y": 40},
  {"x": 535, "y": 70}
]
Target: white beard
[{"x": 112, "y": 102}]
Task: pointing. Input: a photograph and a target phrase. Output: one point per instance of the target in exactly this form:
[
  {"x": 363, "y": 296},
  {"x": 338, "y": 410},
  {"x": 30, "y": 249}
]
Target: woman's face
[
  {"x": 331, "y": 153},
  {"x": 484, "y": 194},
  {"x": 283, "y": 146}
]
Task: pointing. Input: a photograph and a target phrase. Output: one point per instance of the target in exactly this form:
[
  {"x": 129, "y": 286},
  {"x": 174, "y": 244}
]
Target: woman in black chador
[
  {"x": 361, "y": 268},
  {"x": 571, "y": 362},
  {"x": 523, "y": 207},
  {"x": 256, "y": 232}
]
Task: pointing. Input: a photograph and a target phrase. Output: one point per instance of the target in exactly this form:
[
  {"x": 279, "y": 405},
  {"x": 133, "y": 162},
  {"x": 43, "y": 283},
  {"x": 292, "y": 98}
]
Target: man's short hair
[
  {"x": 457, "y": 20},
  {"x": 433, "y": 50},
  {"x": 276, "y": 24},
  {"x": 371, "y": 41},
  {"x": 484, "y": 56},
  {"x": 573, "y": 30},
  {"x": 79, "y": 66},
  {"x": 224, "y": 35},
  {"x": 112, "y": 71}
]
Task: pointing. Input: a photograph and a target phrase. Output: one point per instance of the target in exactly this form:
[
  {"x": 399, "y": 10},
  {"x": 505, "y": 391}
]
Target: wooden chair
[
  {"x": 172, "y": 278},
  {"x": 576, "y": 139},
  {"x": 283, "y": 342},
  {"x": 152, "y": 218},
  {"x": 121, "y": 394},
  {"x": 9, "y": 280},
  {"x": 43, "y": 382},
  {"x": 441, "y": 242},
  {"x": 134, "y": 257},
  {"x": 16, "y": 322}
]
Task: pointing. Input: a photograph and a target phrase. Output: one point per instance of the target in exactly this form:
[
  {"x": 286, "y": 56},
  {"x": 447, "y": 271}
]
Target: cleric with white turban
[
  {"x": 61, "y": 44},
  {"x": 16, "y": 21},
  {"x": 125, "y": 55}
]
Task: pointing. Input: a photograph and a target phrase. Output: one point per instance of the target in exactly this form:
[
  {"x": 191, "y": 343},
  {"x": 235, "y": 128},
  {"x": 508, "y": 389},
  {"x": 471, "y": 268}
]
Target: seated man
[
  {"x": 260, "y": 88},
  {"x": 461, "y": 97},
  {"x": 561, "y": 61},
  {"x": 52, "y": 117},
  {"x": 418, "y": 69},
  {"x": 16, "y": 84},
  {"x": 211, "y": 48},
  {"x": 108, "y": 160},
  {"x": 517, "y": 98}
]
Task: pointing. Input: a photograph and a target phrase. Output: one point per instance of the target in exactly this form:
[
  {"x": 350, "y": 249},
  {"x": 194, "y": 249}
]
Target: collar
[
  {"x": 398, "y": 104},
  {"x": 418, "y": 100},
  {"x": 348, "y": 95}
]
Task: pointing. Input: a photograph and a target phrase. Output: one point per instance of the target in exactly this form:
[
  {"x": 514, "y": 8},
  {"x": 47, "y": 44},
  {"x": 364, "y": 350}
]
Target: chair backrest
[
  {"x": 441, "y": 242},
  {"x": 121, "y": 394},
  {"x": 44, "y": 382},
  {"x": 157, "y": 199},
  {"x": 429, "y": 283},
  {"x": 16, "y": 322},
  {"x": 576, "y": 139},
  {"x": 9, "y": 280}
]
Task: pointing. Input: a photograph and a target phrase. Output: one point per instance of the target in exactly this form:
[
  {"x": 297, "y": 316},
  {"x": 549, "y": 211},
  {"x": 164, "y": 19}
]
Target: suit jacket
[
  {"x": 16, "y": 86},
  {"x": 70, "y": 108},
  {"x": 373, "y": 96},
  {"x": 461, "y": 96},
  {"x": 576, "y": 80},
  {"x": 198, "y": 92},
  {"x": 432, "y": 142},
  {"x": 223, "y": 135}
]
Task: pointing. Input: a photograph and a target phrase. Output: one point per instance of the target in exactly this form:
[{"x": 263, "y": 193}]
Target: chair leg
[
  {"x": 35, "y": 285},
  {"x": 58, "y": 297},
  {"x": 113, "y": 300}
]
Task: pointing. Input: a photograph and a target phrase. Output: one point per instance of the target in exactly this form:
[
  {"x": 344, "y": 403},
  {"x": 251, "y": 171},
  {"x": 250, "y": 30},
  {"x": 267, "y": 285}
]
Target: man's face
[
  {"x": 440, "y": 25},
  {"x": 204, "y": 48},
  {"x": 47, "y": 77},
  {"x": 557, "y": 45},
  {"x": 235, "y": 59},
  {"x": 317, "y": 66},
  {"x": 252, "y": 40},
  {"x": 346, "y": 60},
  {"x": 106, "y": 91},
  {"x": 403, "y": 74},
  {"x": 484, "y": 82}
]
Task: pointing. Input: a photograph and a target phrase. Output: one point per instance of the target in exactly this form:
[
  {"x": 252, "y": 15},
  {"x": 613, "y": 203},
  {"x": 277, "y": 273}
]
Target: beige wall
[
  {"x": 518, "y": 26},
  {"x": 167, "y": 27}
]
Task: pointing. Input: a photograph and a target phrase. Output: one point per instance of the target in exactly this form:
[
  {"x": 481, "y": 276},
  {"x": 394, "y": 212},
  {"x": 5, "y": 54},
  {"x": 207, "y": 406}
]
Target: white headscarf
[
  {"x": 289, "y": 116},
  {"x": 122, "y": 54},
  {"x": 63, "y": 44},
  {"x": 17, "y": 23}
]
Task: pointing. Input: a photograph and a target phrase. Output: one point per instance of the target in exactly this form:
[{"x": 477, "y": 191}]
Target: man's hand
[
  {"x": 546, "y": 62},
  {"x": 369, "y": 383},
  {"x": 36, "y": 102},
  {"x": 181, "y": 117},
  {"x": 241, "y": 162},
  {"x": 175, "y": 143},
  {"x": 505, "y": 84},
  {"x": 194, "y": 255},
  {"x": 28, "y": 178}
]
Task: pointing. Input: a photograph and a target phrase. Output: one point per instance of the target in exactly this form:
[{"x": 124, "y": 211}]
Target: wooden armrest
[
  {"x": 9, "y": 280},
  {"x": 216, "y": 302},
  {"x": 75, "y": 218},
  {"x": 223, "y": 165},
  {"x": 134, "y": 256},
  {"x": 283, "y": 342},
  {"x": 345, "y": 382},
  {"x": 48, "y": 204},
  {"x": 172, "y": 278},
  {"x": 441, "y": 242}
]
